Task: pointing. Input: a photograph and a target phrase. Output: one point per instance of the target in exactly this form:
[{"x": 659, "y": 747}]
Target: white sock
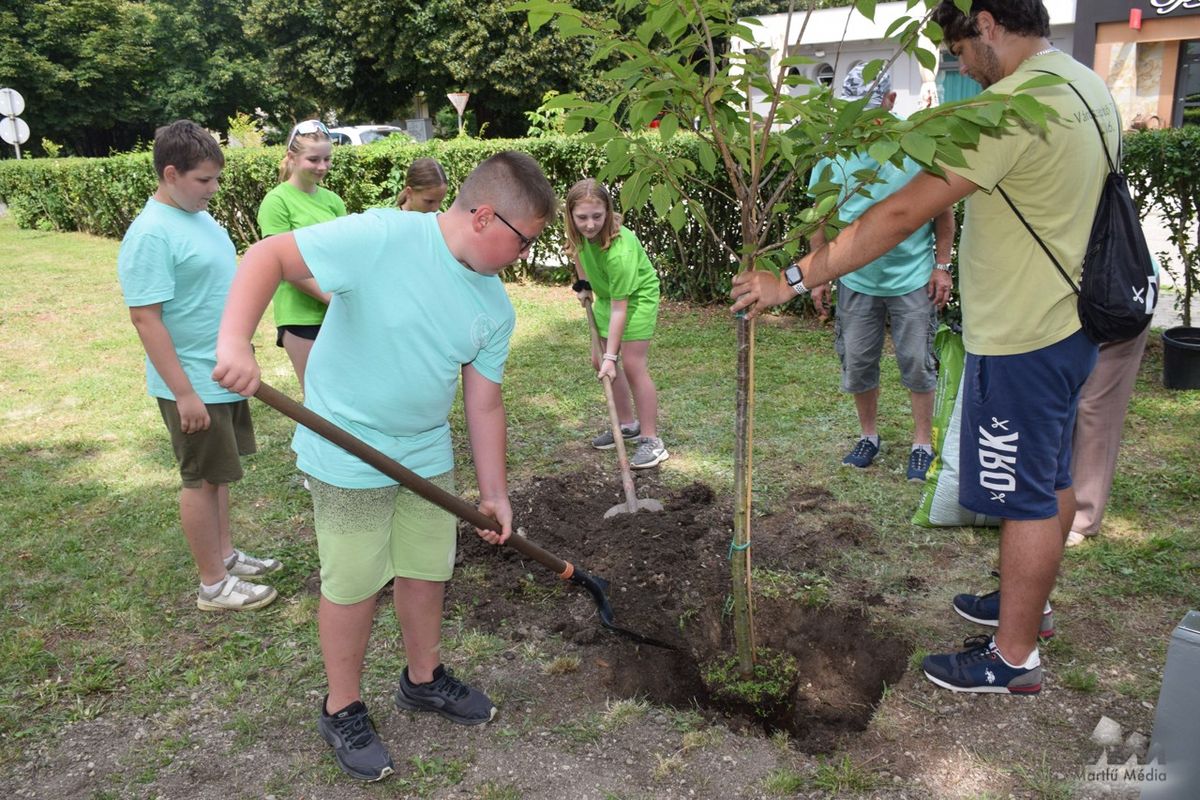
[
  {"x": 928, "y": 448},
  {"x": 873, "y": 438},
  {"x": 212, "y": 589},
  {"x": 1032, "y": 661}
]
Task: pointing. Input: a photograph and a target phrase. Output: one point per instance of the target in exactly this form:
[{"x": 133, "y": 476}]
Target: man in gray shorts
[{"x": 906, "y": 287}]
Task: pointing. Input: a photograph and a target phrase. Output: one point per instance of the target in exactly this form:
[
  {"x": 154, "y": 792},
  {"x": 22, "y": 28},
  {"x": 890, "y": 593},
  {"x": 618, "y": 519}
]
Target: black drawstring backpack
[{"x": 1118, "y": 288}]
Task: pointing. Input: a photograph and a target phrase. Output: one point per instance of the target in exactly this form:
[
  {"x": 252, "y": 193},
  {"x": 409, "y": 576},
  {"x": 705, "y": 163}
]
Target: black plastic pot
[{"x": 1181, "y": 358}]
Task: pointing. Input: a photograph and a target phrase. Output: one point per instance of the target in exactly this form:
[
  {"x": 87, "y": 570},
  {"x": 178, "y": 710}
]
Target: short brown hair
[
  {"x": 1018, "y": 17},
  {"x": 510, "y": 180},
  {"x": 590, "y": 189},
  {"x": 184, "y": 145}
]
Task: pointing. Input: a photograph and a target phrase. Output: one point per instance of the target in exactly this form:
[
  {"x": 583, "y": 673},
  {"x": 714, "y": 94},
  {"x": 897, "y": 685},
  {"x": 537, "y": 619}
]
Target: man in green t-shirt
[{"x": 1027, "y": 357}]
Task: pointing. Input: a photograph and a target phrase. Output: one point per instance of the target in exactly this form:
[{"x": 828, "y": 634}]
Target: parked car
[{"x": 364, "y": 134}]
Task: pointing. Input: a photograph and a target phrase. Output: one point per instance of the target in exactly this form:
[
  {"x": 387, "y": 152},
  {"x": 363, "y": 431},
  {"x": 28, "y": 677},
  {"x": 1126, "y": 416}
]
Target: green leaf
[
  {"x": 707, "y": 156},
  {"x": 667, "y": 126},
  {"x": 677, "y": 217},
  {"x": 927, "y": 59},
  {"x": 883, "y": 150},
  {"x": 919, "y": 146},
  {"x": 660, "y": 198},
  {"x": 1040, "y": 81},
  {"x": 537, "y": 19},
  {"x": 1028, "y": 107},
  {"x": 866, "y": 8}
]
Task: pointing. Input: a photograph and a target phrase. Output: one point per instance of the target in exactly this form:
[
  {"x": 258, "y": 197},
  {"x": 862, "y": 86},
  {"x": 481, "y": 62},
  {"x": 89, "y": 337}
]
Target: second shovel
[{"x": 632, "y": 504}]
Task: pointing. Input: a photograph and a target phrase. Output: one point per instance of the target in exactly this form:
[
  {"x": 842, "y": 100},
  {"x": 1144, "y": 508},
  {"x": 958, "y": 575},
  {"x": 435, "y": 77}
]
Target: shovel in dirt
[
  {"x": 632, "y": 504},
  {"x": 595, "y": 585}
]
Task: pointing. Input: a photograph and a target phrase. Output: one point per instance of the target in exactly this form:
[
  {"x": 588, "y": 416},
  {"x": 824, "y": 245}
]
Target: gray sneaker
[
  {"x": 235, "y": 594},
  {"x": 247, "y": 566},
  {"x": 356, "y": 746},
  {"x": 445, "y": 695},
  {"x": 605, "y": 440},
  {"x": 650, "y": 453}
]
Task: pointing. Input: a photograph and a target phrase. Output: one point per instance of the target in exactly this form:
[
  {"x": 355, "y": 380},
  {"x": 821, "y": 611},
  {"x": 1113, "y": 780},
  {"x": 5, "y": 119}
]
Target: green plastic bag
[{"x": 939, "y": 502}]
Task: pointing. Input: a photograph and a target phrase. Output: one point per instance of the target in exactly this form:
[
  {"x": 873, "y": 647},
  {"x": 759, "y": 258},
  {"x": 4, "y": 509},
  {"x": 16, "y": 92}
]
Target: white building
[{"x": 837, "y": 39}]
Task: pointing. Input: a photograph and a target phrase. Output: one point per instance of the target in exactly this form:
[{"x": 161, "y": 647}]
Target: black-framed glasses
[
  {"x": 526, "y": 242},
  {"x": 307, "y": 126}
]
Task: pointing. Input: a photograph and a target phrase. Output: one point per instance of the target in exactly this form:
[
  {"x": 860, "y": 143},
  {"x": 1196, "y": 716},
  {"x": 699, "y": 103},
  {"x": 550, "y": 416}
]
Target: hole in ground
[{"x": 669, "y": 576}]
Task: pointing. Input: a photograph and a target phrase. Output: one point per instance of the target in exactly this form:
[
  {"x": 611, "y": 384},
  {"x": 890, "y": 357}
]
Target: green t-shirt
[
  {"x": 186, "y": 261},
  {"x": 1013, "y": 299},
  {"x": 404, "y": 319},
  {"x": 622, "y": 272},
  {"x": 286, "y": 208}
]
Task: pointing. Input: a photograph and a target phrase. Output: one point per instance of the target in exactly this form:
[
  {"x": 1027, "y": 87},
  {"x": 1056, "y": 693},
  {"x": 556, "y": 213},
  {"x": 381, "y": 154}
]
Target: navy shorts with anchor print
[{"x": 1018, "y": 414}]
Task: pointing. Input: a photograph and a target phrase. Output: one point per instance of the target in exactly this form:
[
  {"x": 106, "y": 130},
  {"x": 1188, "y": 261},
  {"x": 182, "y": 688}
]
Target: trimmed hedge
[
  {"x": 1164, "y": 172},
  {"x": 102, "y": 196}
]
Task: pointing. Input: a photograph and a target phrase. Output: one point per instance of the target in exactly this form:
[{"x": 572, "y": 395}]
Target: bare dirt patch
[{"x": 670, "y": 580}]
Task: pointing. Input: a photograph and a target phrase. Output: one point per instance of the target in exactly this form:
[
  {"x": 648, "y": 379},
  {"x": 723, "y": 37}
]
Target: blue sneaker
[
  {"x": 862, "y": 455},
  {"x": 980, "y": 668},
  {"x": 919, "y": 461},
  {"x": 984, "y": 609}
]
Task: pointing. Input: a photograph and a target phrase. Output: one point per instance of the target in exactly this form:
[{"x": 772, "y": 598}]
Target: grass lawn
[{"x": 99, "y": 624}]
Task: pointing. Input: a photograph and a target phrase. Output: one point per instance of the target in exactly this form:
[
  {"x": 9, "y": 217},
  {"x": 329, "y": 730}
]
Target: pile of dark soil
[{"x": 669, "y": 574}]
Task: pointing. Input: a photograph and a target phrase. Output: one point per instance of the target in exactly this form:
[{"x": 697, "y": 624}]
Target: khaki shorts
[
  {"x": 213, "y": 455},
  {"x": 366, "y": 537}
]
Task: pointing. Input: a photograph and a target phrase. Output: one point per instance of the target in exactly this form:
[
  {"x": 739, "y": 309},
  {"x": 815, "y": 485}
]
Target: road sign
[
  {"x": 14, "y": 130},
  {"x": 11, "y": 103},
  {"x": 459, "y": 100}
]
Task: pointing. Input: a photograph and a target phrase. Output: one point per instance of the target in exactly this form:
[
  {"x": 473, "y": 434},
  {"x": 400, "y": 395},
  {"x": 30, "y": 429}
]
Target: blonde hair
[
  {"x": 297, "y": 147},
  {"x": 423, "y": 173},
  {"x": 590, "y": 189}
]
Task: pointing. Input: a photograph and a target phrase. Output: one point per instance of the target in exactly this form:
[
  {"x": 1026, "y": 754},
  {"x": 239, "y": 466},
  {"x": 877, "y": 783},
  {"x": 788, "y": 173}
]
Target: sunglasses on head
[{"x": 307, "y": 126}]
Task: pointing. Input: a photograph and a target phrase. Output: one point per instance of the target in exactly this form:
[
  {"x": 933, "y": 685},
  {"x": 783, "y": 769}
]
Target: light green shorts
[{"x": 366, "y": 537}]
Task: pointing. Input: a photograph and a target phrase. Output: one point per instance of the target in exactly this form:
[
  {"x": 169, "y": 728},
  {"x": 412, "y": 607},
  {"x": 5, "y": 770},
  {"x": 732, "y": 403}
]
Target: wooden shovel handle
[
  {"x": 406, "y": 477},
  {"x": 631, "y": 501}
]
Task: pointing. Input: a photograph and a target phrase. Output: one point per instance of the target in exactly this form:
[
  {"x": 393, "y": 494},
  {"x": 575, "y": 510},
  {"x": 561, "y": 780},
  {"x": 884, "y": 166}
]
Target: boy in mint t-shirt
[
  {"x": 415, "y": 303},
  {"x": 175, "y": 266}
]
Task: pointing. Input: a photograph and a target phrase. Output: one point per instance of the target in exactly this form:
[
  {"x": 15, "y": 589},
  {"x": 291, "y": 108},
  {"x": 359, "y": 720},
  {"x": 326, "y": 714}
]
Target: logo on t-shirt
[{"x": 481, "y": 330}]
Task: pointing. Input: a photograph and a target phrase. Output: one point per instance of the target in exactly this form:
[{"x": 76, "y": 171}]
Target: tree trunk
[{"x": 739, "y": 556}]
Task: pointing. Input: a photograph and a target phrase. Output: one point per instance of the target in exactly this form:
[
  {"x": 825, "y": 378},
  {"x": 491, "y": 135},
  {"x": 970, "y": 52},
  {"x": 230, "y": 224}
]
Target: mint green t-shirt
[
  {"x": 907, "y": 266},
  {"x": 185, "y": 261},
  {"x": 286, "y": 208},
  {"x": 404, "y": 319},
  {"x": 622, "y": 272}
]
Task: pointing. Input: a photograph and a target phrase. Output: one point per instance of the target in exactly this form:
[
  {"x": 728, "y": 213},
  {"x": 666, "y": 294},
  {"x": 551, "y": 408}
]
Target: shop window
[
  {"x": 823, "y": 74},
  {"x": 1187, "y": 99}
]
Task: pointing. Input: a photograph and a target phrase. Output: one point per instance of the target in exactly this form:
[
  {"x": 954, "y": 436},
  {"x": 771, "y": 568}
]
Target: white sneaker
[
  {"x": 1075, "y": 538},
  {"x": 247, "y": 566},
  {"x": 234, "y": 594}
]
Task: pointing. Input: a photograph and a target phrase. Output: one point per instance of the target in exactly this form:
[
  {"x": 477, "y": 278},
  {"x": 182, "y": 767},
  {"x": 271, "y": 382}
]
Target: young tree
[{"x": 694, "y": 66}]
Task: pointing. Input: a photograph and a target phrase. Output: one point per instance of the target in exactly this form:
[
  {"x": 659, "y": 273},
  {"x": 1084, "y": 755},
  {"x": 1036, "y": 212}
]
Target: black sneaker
[
  {"x": 445, "y": 695},
  {"x": 356, "y": 746}
]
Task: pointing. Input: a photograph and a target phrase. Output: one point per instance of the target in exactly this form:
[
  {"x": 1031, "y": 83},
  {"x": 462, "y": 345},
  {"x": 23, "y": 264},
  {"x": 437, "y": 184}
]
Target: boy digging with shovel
[{"x": 415, "y": 301}]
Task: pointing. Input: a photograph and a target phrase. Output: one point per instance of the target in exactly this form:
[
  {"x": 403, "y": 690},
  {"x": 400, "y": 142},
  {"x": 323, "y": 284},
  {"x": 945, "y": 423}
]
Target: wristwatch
[
  {"x": 795, "y": 279},
  {"x": 943, "y": 267}
]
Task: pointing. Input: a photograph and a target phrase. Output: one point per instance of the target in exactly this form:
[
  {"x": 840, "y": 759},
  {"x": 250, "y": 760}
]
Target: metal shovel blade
[{"x": 644, "y": 504}]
